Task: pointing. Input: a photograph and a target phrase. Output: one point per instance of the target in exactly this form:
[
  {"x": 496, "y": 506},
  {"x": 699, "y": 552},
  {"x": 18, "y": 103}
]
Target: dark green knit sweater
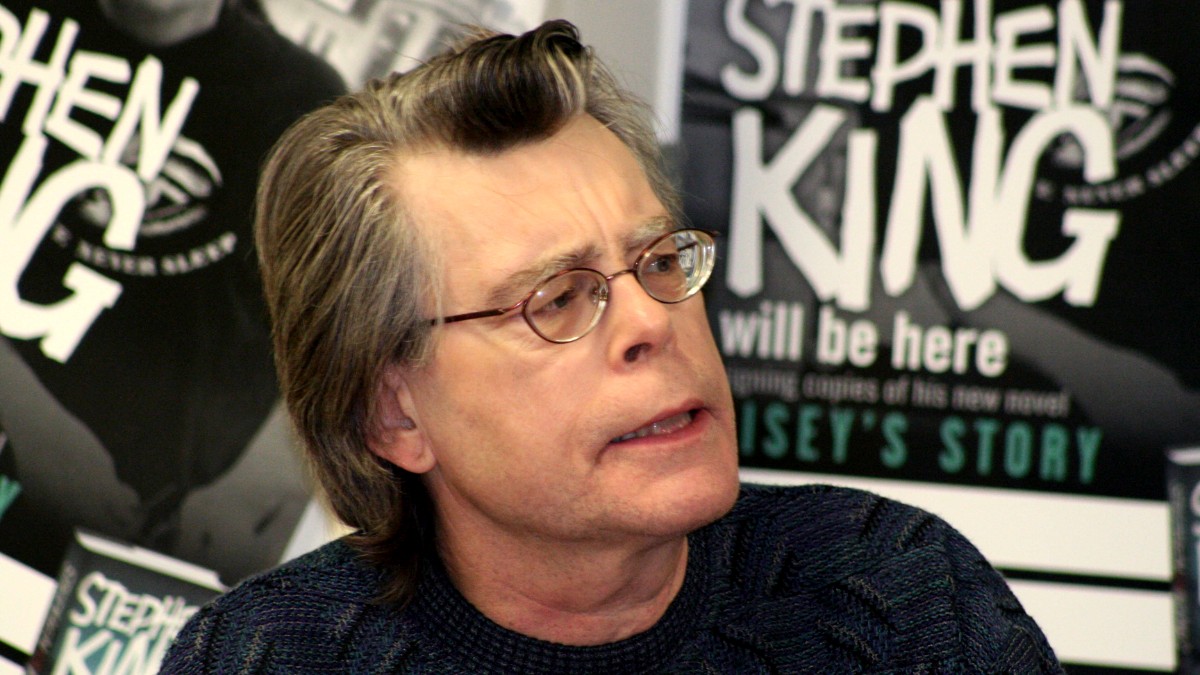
[{"x": 793, "y": 580}]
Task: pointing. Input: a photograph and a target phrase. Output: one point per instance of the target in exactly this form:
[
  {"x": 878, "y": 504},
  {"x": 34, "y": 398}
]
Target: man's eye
[
  {"x": 662, "y": 264},
  {"x": 552, "y": 302}
]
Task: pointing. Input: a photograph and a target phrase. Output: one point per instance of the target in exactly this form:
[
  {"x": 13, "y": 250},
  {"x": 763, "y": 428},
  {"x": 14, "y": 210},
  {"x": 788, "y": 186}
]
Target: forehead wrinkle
[
  {"x": 522, "y": 281},
  {"x": 517, "y": 284},
  {"x": 641, "y": 236}
]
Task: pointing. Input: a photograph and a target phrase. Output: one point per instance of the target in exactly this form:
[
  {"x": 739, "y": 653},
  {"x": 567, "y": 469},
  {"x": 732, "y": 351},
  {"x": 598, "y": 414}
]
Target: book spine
[
  {"x": 40, "y": 661},
  {"x": 1183, "y": 494}
]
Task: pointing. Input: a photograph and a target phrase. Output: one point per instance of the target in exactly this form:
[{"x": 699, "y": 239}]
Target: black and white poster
[
  {"x": 959, "y": 262},
  {"x": 958, "y": 237},
  {"x": 137, "y": 391},
  {"x": 138, "y": 396}
]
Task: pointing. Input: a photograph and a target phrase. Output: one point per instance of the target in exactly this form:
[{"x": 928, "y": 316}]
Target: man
[{"x": 488, "y": 334}]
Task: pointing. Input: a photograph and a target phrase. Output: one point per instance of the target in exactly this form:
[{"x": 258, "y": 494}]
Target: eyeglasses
[{"x": 568, "y": 305}]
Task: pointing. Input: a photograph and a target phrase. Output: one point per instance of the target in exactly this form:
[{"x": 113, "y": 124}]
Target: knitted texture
[{"x": 794, "y": 580}]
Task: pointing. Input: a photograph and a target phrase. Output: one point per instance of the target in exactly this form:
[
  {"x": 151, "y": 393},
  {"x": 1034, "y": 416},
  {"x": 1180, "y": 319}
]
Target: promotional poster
[
  {"x": 137, "y": 391},
  {"x": 958, "y": 256},
  {"x": 138, "y": 396},
  {"x": 957, "y": 237}
]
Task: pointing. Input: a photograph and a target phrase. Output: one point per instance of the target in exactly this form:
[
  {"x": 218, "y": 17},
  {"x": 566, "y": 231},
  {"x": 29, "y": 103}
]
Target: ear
[{"x": 398, "y": 437}]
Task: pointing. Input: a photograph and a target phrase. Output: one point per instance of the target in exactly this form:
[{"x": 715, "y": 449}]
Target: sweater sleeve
[
  {"x": 313, "y": 615},
  {"x": 191, "y": 651},
  {"x": 997, "y": 635},
  {"x": 869, "y": 584}
]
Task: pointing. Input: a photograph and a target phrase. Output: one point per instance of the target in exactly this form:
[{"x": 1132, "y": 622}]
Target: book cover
[
  {"x": 117, "y": 609},
  {"x": 1183, "y": 493}
]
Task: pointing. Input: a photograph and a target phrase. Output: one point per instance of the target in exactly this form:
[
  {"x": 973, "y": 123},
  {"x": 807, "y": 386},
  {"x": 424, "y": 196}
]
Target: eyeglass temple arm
[{"x": 473, "y": 315}]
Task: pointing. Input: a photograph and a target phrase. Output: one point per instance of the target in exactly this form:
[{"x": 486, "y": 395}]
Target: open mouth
[{"x": 666, "y": 425}]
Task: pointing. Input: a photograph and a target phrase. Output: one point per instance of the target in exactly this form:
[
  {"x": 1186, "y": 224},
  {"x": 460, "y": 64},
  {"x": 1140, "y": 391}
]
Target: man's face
[{"x": 522, "y": 430}]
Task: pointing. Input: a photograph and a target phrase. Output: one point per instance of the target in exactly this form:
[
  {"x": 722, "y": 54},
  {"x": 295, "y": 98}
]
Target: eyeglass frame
[{"x": 633, "y": 269}]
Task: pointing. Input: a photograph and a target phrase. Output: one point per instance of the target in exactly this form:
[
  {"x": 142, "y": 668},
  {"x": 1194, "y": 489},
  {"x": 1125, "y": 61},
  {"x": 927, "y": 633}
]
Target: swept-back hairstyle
[{"x": 346, "y": 273}]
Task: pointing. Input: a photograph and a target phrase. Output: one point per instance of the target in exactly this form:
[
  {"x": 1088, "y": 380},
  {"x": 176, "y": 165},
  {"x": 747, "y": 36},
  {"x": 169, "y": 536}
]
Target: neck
[
  {"x": 572, "y": 594},
  {"x": 162, "y": 27}
]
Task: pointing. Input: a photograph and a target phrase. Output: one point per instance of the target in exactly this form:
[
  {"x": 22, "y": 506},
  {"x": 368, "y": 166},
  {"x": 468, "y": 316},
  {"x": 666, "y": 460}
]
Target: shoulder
[
  {"x": 823, "y": 520},
  {"x": 330, "y": 571},
  {"x": 881, "y": 581},
  {"x": 824, "y": 533},
  {"x": 315, "y": 612}
]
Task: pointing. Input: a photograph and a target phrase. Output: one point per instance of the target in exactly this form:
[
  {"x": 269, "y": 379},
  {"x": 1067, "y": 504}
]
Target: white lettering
[
  {"x": 75, "y": 94},
  {"x": 60, "y": 325},
  {"x": 763, "y": 192},
  {"x": 749, "y": 86}
]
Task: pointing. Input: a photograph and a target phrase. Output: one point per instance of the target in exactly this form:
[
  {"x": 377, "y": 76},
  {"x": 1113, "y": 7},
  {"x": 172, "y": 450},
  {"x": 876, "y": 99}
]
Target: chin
[
  {"x": 714, "y": 489},
  {"x": 723, "y": 495},
  {"x": 699, "y": 502}
]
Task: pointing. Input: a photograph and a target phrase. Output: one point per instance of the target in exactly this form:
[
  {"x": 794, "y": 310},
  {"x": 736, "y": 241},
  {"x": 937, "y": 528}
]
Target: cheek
[
  {"x": 502, "y": 399},
  {"x": 552, "y": 406},
  {"x": 519, "y": 441},
  {"x": 695, "y": 331}
]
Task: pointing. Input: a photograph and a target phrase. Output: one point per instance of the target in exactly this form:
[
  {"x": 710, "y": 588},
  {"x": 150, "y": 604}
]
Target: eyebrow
[{"x": 519, "y": 283}]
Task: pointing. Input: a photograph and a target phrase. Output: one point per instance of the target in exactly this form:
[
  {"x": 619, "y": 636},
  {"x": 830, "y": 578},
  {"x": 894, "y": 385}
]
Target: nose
[{"x": 638, "y": 325}]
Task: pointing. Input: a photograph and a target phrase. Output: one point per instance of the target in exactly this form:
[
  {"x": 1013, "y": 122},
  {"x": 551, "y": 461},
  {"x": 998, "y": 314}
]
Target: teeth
[{"x": 664, "y": 426}]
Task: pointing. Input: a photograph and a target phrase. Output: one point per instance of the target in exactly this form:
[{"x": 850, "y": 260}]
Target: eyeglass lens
[{"x": 567, "y": 306}]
